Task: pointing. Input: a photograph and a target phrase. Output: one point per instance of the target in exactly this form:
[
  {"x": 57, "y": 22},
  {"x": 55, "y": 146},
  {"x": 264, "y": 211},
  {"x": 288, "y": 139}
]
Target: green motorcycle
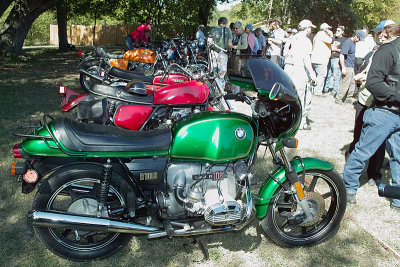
[{"x": 99, "y": 185}]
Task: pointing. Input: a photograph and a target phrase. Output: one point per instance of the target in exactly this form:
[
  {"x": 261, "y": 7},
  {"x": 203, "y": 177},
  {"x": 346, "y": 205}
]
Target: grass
[{"x": 29, "y": 89}]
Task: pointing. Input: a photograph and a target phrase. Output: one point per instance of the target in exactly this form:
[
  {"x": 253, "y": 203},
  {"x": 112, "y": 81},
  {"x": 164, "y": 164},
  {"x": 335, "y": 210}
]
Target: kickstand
[{"x": 202, "y": 246}]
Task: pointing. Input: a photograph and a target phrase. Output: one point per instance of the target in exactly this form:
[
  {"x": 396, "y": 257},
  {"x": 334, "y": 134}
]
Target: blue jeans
[
  {"x": 129, "y": 42},
  {"x": 337, "y": 75},
  {"x": 320, "y": 71},
  {"x": 380, "y": 125}
]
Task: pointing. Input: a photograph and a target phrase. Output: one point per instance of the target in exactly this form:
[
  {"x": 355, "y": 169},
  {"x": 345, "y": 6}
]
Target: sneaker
[{"x": 351, "y": 198}]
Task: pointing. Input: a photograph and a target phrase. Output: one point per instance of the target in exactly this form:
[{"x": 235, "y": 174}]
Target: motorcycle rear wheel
[
  {"x": 68, "y": 190},
  {"x": 326, "y": 195},
  {"x": 92, "y": 66}
]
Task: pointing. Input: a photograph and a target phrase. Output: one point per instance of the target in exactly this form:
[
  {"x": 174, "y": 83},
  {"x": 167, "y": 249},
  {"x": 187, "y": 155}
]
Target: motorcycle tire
[
  {"x": 326, "y": 195},
  {"x": 92, "y": 67},
  {"x": 75, "y": 188}
]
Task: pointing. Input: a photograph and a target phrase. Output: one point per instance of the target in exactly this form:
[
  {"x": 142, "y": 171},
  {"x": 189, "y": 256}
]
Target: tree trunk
[
  {"x": 205, "y": 10},
  {"x": 62, "y": 25},
  {"x": 19, "y": 22},
  {"x": 269, "y": 10},
  {"x": 4, "y": 4}
]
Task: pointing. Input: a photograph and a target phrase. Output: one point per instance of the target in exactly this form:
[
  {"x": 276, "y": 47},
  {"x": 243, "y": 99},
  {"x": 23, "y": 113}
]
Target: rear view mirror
[{"x": 275, "y": 92}]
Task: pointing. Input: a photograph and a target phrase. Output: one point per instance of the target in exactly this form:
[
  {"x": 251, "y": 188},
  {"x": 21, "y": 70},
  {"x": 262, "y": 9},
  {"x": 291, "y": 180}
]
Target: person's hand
[
  {"x": 329, "y": 33},
  {"x": 344, "y": 72}
]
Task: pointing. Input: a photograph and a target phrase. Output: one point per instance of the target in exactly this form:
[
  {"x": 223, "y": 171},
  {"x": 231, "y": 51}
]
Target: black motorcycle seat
[
  {"x": 102, "y": 52},
  {"x": 83, "y": 137},
  {"x": 121, "y": 94},
  {"x": 128, "y": 75}
]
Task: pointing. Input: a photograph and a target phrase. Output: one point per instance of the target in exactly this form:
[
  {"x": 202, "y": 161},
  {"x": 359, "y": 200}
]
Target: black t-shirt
[
  {"x": 337, "y": 41},
  {"x": 382, "y": 63}
]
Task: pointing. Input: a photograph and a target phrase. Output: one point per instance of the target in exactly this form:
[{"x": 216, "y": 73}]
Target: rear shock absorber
[{"x": 104, "y": 187}]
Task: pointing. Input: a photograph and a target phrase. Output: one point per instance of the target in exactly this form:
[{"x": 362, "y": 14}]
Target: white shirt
[
  {"x": 299, "y": 47},
  {"x": 275, "y": 50},
  {"x": 364, "y": 47},
  {"x": 321, "y": 52}
]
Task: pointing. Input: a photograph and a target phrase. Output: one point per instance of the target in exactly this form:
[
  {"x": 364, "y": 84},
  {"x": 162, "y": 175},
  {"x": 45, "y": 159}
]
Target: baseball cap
[
  {"x": 324, "y": 26},
  {"x": 249, "y": 26},
  {"x": 382, "y": 24},
  {"x": 305, "y": 23},
  {"x": 238, "y": 24},
  {"x": 360, "y": 34},
  {"x": 258, "y": 30}
]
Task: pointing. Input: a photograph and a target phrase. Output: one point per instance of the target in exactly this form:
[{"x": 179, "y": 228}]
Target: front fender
[{"x": 270, "y": 186}]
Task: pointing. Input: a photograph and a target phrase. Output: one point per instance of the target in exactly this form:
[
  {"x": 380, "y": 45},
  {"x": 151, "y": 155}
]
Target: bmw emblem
[{"x": 240, "y": 133}]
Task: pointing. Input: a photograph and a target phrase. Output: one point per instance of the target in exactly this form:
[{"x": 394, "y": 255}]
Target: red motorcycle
[{"x": 135, "y": 107}]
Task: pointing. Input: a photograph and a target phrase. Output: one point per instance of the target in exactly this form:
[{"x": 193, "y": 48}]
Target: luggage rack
[{"x": 44, "y": 138}]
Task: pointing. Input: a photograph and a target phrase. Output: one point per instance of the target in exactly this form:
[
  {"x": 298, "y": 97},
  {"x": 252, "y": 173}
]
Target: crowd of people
[
  {"x": 360, "y": 70},
  {"x": 357, "y": 69}
]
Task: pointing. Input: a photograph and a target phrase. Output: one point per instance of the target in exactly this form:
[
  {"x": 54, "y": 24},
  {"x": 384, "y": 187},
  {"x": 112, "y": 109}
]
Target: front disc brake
[{"x": 317, "y": 206}]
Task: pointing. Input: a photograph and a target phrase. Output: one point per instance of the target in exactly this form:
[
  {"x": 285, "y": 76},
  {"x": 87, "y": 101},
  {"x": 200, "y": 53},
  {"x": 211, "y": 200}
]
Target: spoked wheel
[
  {"x": 75, "y": 191},
  {"x": 326, "y": 196},
  {"x": 92, "y": 67}
]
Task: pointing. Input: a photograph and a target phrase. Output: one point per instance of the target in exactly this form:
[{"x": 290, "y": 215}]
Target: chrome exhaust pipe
[
  {"x": 81, "y": 222},
  {"x": 183, "y": 232}
]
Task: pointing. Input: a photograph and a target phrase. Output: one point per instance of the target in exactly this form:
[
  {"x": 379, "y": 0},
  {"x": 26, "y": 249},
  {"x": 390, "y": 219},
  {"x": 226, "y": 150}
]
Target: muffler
[{"x": 55, "y": 219}]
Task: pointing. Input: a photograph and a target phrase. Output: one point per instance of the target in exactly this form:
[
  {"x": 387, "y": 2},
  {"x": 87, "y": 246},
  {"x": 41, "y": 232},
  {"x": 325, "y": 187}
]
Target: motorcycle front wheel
[
  {"x": 326, "y": 195},
  {"x": 75, "y": 191}
]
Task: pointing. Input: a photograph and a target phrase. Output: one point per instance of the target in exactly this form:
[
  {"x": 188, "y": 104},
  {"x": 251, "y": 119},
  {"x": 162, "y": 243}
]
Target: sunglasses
[{"x": 237, "y": 28}]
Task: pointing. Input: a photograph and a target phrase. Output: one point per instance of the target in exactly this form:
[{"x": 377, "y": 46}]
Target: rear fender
[
  {"x": 72, "y": 104},
  {"x": 46, "y": 166},
  {"x": 270, "y": 186}
]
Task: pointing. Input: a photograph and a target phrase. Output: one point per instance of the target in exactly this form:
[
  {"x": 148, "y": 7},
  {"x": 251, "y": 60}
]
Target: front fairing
[{"x": 261, "y": 75}]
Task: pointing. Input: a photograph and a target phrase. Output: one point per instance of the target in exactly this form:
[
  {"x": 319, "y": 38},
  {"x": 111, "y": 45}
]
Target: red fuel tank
[
  {"x": 132, "y": 117},
  {"x": 171, "y": 78},
  {"x": 191, "y": 92}
]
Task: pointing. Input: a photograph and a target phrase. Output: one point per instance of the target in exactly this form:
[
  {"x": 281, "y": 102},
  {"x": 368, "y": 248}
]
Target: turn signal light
[
  {"x": 13, "y": 168},
  {"x": 80, "y": 53},
  {"x": 31, "y": 176}
]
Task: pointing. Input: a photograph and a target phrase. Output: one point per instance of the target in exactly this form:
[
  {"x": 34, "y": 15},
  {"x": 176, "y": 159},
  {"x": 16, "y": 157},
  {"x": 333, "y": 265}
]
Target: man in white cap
[
  {"x": 298, "y": 67},
  {"x": 321, "y": 54}
]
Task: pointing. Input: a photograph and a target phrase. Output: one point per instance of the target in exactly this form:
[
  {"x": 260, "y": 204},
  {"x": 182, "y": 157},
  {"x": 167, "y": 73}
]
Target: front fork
[{"x": 293, "y": 178}]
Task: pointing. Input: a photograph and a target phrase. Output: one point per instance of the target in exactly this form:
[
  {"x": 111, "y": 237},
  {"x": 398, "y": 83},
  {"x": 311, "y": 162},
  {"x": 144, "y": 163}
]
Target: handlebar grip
[
  {"x": 238, "y": 97},
  {"x": 231, "y": 96}
]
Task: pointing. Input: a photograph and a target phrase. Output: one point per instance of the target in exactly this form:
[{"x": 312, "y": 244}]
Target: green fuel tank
[{"x": 213, "y": 137}]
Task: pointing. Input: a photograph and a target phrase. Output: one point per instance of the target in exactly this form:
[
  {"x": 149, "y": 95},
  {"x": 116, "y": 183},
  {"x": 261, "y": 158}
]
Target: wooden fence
[{"x": 103, "y": 35}]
